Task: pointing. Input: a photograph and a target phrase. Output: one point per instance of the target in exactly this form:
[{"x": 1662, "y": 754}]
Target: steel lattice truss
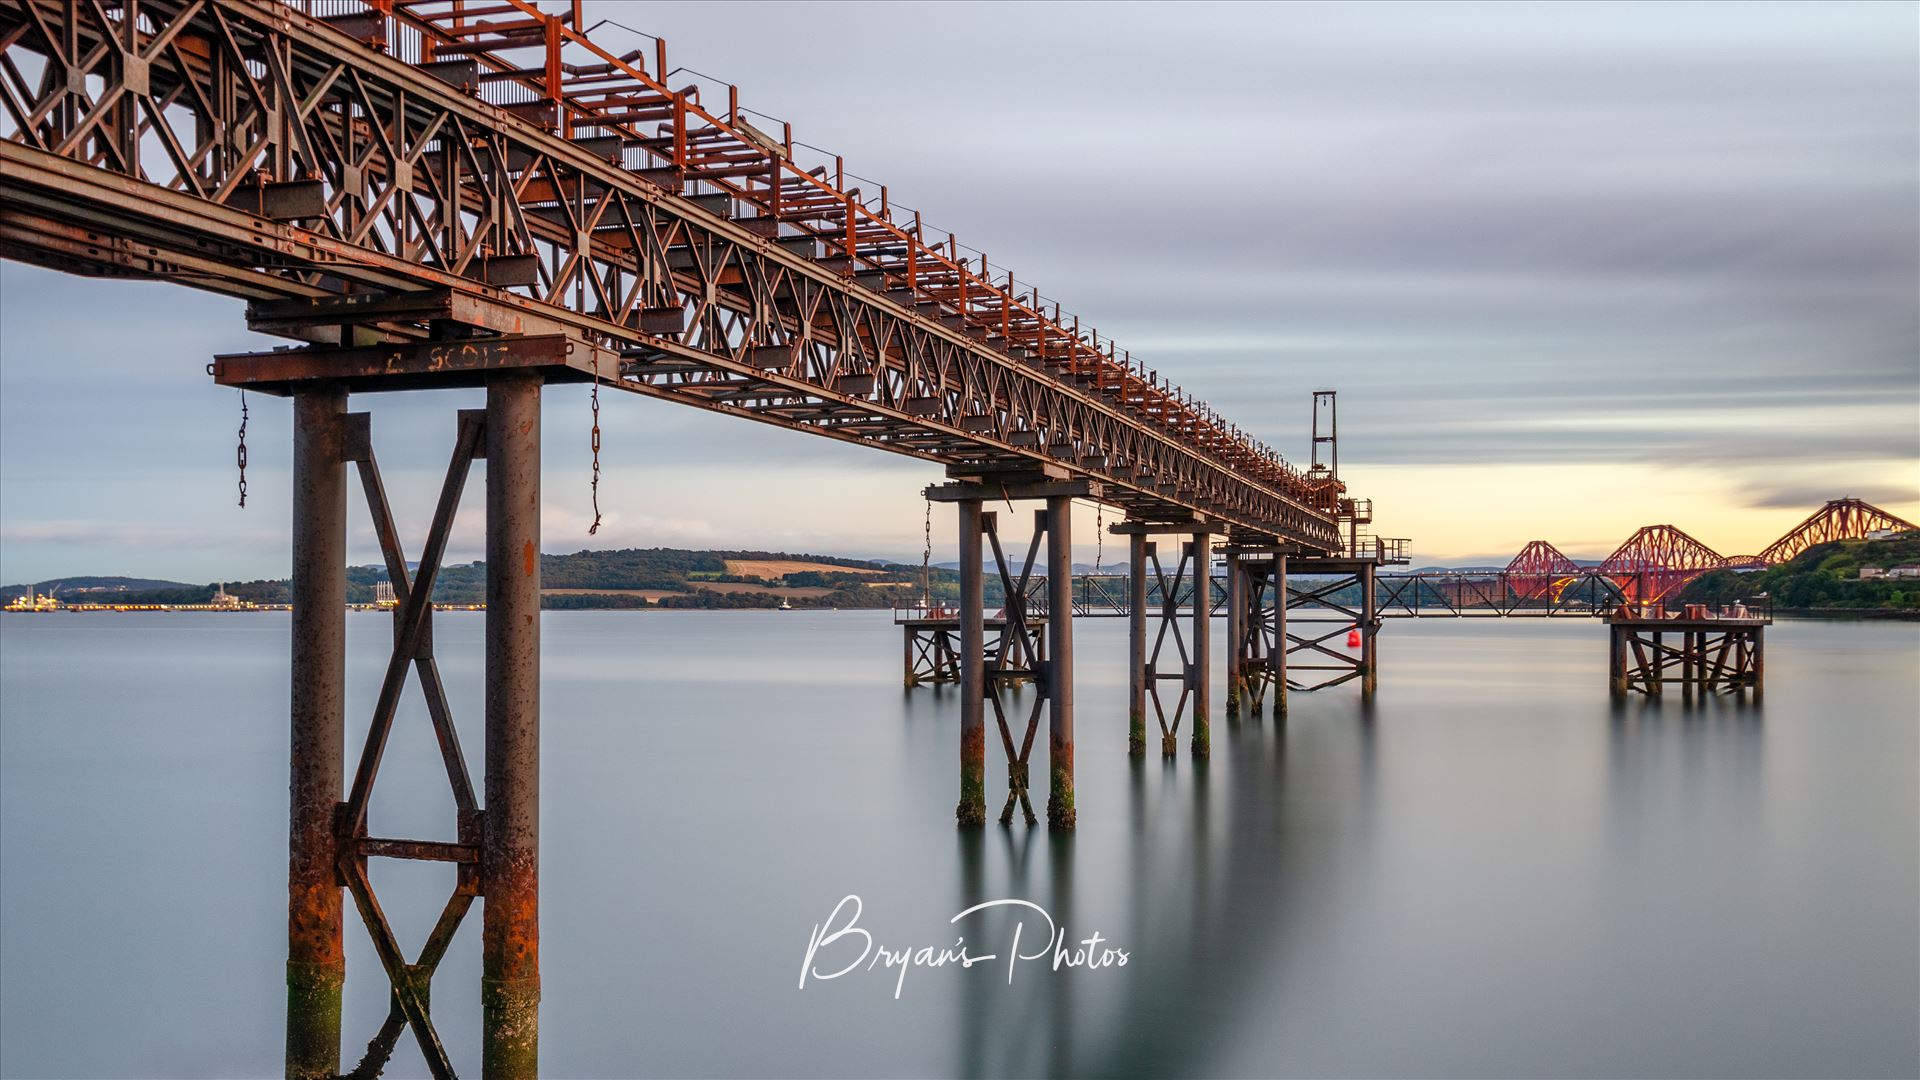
[
  {"x": 370, "y": 173},
  {"x": 1539, "y": 568},
  {"x": 1841, "y": 519},
  {"x": 1658, "y": 559},
  {"x": 1583, "y": 593}
]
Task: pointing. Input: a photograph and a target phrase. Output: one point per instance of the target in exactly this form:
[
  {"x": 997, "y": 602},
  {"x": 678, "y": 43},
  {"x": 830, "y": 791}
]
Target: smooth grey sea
[{"x": 1490, "y": 871}]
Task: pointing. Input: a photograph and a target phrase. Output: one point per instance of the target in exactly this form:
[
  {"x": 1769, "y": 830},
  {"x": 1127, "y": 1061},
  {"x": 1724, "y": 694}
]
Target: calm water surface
[{"x": 1488, "y": 872}]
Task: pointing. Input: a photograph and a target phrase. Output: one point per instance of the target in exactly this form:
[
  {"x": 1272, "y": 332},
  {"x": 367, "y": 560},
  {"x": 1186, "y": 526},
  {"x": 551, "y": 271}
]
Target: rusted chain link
[
  {"x": 241, "y": 453},
  {"x": 595, "y": 527},
  {"x": 926, "y": 562}
]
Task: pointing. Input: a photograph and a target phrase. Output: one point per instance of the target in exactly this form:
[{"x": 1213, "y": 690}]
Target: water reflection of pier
[{"x": 1254, "y": 831}]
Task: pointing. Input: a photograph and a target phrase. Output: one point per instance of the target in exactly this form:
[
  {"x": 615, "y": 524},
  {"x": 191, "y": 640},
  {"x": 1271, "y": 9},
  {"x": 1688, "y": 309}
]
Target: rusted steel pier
[
  {"x": 1165, "y": 654},
  {"x": 1704, "y": 651},
  {"x": 1020, "y": 657},
  {"x": 427, "y": 194},
  {"x": 931, "y": 649},
  {"x": 1340, "y": 601},
  {"x": 434, "y": 193},
  {"x": 1256, "y": 634},
  {"x": 497, "y": 853}
]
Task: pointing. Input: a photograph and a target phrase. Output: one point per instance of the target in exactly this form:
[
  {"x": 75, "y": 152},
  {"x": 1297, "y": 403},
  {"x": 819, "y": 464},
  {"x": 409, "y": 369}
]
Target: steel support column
[
  {"x": 1176, "y": 653},
  {"x": 1277, "y": 652},
  {"x": 1059, "y": 666},
  {"x": 1236, "y": 633},
  {"x": 972, "y": 810},
  {"x": 496, "y": 850},
  {"x": 1250, "y": 625},
  {"x": 1199, "y": 668},
  {"x": 1617, "y": 660},
  {"x": 1137, "y": 673},
  {"x": 316, "y": 962},
  {"x": 1369, "y": 632},
  {"x": 1024, "y": 653},
  {"x": 510, "y": 849}
]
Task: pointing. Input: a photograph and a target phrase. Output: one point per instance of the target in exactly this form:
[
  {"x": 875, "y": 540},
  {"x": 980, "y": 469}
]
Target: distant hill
[
  {"x": 682, "y": 577},
  {"x": 626, "y": 578},
  {"x": 132, "y": 590},
  {"x": 112, "y": 590},
  {"x": 92, "y": 585}
]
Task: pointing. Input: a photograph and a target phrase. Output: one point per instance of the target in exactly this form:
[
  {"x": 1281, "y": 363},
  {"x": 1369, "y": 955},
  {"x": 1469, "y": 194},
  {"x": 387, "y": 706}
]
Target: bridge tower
[{"x": 497, "y": 853}]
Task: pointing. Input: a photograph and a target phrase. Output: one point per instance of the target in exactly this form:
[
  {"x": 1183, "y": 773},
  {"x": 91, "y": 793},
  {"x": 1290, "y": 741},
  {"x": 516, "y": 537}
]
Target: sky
[{"x": 1573, "y": 269}]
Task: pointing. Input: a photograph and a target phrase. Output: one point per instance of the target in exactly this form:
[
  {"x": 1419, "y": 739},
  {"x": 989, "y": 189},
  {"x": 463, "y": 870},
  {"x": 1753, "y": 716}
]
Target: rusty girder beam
[{"x": 187, "y": 163}]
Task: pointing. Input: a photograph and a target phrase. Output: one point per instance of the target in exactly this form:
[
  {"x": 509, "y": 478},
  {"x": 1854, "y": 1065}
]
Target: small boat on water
[{"x": 784, "y": 606}]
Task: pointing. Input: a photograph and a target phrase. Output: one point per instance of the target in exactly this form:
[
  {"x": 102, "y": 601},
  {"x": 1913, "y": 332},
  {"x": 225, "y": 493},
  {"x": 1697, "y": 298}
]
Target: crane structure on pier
[{"x": 475, "y": 193}]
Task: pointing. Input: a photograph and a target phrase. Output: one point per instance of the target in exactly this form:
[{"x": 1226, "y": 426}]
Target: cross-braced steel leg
[
  {"x": 1018, "y": 660},
  {"x": 1325, "y": 611},
  {"x": 412, "y": 649},
  {"x": 1251, "y": 635},
  {"x": 1177, "y": 654},
  {"x": 931, "y": 655},
  {"x": 1710, "y": 659}
]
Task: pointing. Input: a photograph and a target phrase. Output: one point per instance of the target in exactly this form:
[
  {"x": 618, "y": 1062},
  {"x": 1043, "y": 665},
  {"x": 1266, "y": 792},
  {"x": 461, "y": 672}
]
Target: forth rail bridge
[{"x": 473, "y": 193}]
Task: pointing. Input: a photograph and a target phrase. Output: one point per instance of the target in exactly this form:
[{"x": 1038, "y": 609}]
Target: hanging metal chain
[
  {"x": 926, "y": 563},
  {"x": 241, "y": 453},
  {"x": 595, "y": 527}
]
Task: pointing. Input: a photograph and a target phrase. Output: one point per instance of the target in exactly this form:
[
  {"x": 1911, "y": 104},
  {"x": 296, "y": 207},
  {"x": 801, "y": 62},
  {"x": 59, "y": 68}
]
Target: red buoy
[{"x": 1353, "y": 638}]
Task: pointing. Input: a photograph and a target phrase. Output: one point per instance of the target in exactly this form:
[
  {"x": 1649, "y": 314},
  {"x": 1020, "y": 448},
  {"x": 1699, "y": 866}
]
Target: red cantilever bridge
[
  {"x": 1659, "y": 559},
  {"x": 475, "y": 193},
  {"x": 1652, "y": 564}
]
